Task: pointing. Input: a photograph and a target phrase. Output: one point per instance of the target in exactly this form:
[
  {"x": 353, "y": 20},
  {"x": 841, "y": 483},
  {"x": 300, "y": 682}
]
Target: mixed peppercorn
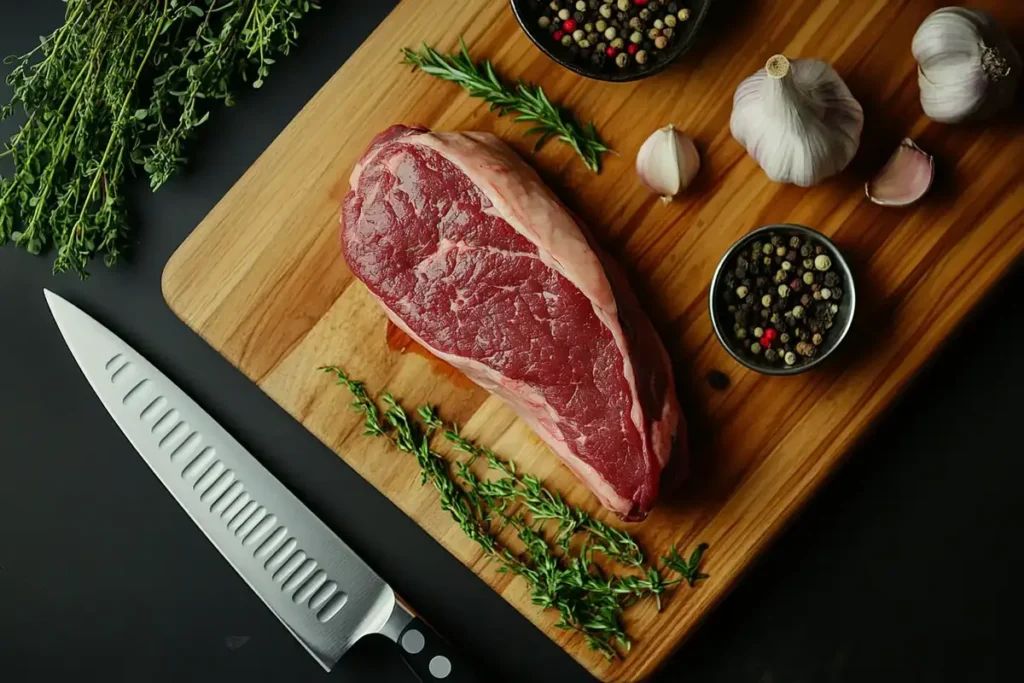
[
  {"x": 782, "y": 295},
  {"x": 609, "y": 33}
]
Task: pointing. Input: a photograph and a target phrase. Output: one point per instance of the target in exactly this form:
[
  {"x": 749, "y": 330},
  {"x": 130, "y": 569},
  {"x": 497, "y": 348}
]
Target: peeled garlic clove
[
  {"x": 904, "y": 179},
  {"x": 967, "y": 66},
  {"x": 667, "y": 162}
]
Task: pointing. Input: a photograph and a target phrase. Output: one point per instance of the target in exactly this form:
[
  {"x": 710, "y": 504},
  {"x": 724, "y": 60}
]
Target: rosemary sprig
[
  {"x": 526, "y": 100},
  {"x": 589, "y": 601}
]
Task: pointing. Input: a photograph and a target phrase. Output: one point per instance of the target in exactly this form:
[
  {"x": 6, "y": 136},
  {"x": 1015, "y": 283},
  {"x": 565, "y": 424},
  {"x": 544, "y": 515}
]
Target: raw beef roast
[{"x": 472, "y": 255}]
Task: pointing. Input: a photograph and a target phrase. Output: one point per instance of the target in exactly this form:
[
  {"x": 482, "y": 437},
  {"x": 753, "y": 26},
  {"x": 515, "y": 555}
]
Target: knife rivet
[
  {"x": 440, "y": 667},
  {"x": 413, "y": 642}
]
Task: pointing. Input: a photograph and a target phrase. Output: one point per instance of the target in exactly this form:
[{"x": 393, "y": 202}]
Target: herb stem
[{"x": 527, "y": 101}]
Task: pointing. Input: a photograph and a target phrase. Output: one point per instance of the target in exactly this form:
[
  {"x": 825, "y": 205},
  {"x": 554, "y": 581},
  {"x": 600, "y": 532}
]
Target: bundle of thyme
[
  {"x": 121, "y": 87},
  {"x": 589, "y": 600},
  {"x": 527, "y": 101}
]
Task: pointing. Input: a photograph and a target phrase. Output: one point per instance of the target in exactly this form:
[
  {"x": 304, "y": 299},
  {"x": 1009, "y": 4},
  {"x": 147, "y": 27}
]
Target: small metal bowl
[
  {"x": 527, "y": 13},
  {"x": 723, "y": 324}
]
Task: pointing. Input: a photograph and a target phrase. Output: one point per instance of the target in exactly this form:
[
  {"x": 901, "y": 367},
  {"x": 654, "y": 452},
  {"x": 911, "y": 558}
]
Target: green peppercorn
[
  {"x": 817, "y": 339},
  {"x": 741, "y": 333},
  {"x": 783, "y": 290},
  {"x": 758, "y": 332},
  {"x": 605, "y": 11},
  {"x": 808, "y": 278},
  {"x": 786, "y": 265},
  {"x": 780, "y": 251},
  {"x": 670, "y": 20},
  {"x": 790, "y": 358},
  {"x": 771, "y": 355},
  {"x": 755, "y": 348},
  {"x": 742, "y": 291},
  {"x": 621, "y": 60},
  {"x": 822, "y": 262},
  {"x": 544, "y": 22},
  {"x": 798, "y": 312},
  {"x": 564, "y": 14},
  {"x": 766, "y": 300}
]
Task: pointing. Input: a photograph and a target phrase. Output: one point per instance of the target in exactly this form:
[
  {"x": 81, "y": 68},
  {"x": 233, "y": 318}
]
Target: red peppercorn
[
  {"x": 633, "y": 47},
  {"x": 771, "y": 332},
  {"x": 639, "y": 2},
  {"x": 611, "y": 51},
  {"x": 569, "y": 25},
  {"x": 557, "y": 35},
  {"x": 764, "y": 341}
]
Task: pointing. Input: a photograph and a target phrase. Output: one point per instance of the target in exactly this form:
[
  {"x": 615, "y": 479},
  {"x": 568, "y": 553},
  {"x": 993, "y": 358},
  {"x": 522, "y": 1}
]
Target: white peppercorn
[
  {"x": 636, "y": 37},
  {"x": 564, "y": 14},
  {"x": 581, "y": 5},
  {"x": 658, "y": 23},
  {"x": 622, "y": 59},
  {"x": 618, "y": 43},
  {"x": 605, "y": 11},
  {"x": 623, "y": 5},
  {"x": 641, "y": 56},
  {"x": 660, "y": 42},
  {"x": 684, "y": 14},
  {"x": 610, "y": 33}
]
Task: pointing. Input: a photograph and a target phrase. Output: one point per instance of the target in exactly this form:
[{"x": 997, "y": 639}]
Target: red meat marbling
[{"x": 473, "y": 256}]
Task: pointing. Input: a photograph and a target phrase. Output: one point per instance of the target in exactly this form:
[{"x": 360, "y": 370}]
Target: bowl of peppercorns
[
  {"x": 612, "y": 40},
  {"x": 782, "y": 299}
]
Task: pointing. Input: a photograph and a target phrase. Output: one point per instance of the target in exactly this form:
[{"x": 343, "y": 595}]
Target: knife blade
[{"x": 320, "y": 589}]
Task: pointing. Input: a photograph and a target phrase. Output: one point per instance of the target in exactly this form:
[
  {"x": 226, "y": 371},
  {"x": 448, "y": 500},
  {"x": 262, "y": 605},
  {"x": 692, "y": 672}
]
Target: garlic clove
[
  {"x": 667, "y": 162},
  {"x": 904, "y": 179}
]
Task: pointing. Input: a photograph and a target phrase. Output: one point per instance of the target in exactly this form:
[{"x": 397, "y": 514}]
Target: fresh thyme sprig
[
  {"x": 544, "y": 504},
  {"x": 589, "y": 601},
  {"x": 119, "y": 88},
  {"x": 526, "y": 100}
]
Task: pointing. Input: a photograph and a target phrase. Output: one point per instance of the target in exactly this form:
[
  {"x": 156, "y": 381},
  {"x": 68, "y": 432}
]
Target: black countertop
[{"x": 900, "y": 568}]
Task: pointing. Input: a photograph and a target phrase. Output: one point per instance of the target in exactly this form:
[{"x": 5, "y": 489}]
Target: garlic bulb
[
  {"x": 904, "y": 179},
  {"x": 967, "y": 67},
  {"x": 798, "y": 120},
  {"x": 667, "y": 162}
]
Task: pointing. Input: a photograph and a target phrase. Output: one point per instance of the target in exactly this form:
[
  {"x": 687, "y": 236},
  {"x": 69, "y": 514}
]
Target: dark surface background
[{"x": 900, "y": 568}]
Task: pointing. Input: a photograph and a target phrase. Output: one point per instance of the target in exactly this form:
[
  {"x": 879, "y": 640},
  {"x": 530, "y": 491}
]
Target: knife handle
[{"x": 430, "y": 657}]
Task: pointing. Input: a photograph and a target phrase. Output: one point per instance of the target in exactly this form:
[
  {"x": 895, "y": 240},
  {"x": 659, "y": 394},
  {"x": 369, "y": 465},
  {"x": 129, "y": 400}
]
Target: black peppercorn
[
  {"x": 673, "y": 7},
  {"x": 718, "y": 380},
  {"x": 807, "y": 250},
  {"x": 831, "y": 279}
]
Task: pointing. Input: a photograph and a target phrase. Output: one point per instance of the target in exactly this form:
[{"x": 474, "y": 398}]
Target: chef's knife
[{"x": 323, "y": 593}]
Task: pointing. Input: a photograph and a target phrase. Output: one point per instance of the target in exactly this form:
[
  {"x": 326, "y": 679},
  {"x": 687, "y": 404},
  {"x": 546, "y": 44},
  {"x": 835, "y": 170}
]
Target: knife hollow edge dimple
[{"x": 319, "y": 588}]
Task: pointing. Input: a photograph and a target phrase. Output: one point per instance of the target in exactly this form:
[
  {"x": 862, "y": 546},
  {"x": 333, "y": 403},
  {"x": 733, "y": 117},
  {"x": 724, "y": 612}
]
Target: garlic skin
[
  {"x": 967, "y": 67},
  {"x": 904, "y": 179},
  {"x": 667, "y": 162},
  {"x": 798, "y": 120}
]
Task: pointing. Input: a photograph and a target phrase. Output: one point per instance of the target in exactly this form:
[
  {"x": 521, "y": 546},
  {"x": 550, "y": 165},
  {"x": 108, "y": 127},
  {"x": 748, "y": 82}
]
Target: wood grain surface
[{"x": 261, "y": 279}]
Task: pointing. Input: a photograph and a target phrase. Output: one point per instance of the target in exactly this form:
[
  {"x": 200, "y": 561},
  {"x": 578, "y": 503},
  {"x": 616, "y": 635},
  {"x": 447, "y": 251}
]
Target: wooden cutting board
[{"x": 261, "y": 278}]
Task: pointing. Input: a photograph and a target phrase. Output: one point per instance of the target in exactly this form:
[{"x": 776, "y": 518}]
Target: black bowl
[
  {"x": 722, "y": 324},
  {"x": 528, "y": 12}
]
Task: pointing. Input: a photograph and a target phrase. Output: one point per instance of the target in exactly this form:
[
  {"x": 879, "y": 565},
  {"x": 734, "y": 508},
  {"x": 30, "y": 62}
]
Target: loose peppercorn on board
[{"x": 262, "y": 280}]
